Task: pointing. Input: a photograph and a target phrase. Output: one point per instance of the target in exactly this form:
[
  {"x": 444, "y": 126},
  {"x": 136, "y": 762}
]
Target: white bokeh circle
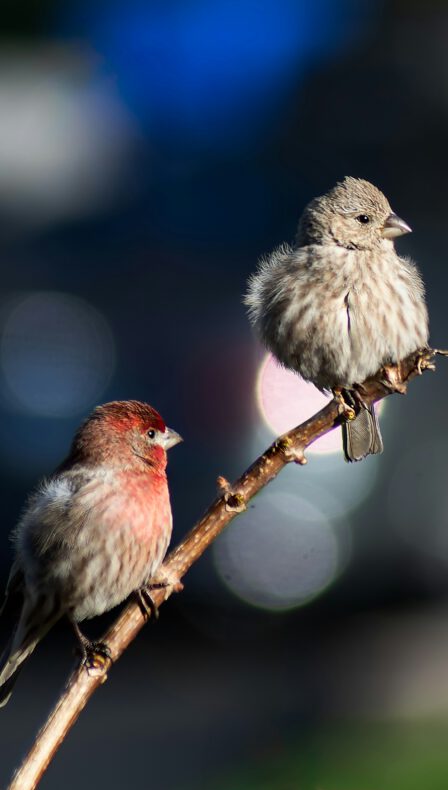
[{"x": 281, "y": 554}]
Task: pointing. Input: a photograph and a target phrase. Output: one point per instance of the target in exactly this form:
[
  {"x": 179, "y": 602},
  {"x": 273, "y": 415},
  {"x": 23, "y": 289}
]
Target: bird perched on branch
[
  {"x": 340, "y": 304},
  {"x": 94, "y": 532}
]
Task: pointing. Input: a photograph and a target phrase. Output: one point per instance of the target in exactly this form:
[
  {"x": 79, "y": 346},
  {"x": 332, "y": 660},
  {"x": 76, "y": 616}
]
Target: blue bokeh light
[{"x": 207, "y": 71}]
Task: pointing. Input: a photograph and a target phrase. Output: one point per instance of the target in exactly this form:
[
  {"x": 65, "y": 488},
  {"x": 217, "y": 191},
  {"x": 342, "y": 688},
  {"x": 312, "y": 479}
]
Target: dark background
[{"x": 150, "y": 152}]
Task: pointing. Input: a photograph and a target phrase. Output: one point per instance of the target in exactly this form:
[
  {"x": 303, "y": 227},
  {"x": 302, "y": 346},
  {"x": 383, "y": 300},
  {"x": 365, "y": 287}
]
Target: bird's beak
[
  {"x": 170, "y": 438},
  {"x": 395, "y": 226}
]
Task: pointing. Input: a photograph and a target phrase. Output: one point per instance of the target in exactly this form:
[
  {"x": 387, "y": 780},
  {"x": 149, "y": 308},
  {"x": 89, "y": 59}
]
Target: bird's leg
[
  {"x": 162, "y": 581},
  {"x": 357, "y": 394},
  {"x": 95, "y": 656},
  {"x": 165, "y": 578},
  {"x": 148, "y": 607},
  {"x": 345, "y": 402}
]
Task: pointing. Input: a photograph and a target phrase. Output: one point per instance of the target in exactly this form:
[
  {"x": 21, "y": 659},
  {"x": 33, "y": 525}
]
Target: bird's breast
[{"x": 126, "y": 502}]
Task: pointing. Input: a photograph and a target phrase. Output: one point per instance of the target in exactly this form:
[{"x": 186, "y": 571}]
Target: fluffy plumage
[
  {"x": 341, "y": 303},
  {"x": 95, "y": 531}
]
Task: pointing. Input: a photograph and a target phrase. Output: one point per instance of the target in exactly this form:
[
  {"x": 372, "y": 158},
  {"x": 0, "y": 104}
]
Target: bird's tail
[
  {"x": 33, "y": 624},
  {"x": 11, "y": 666},
  {"x": 362, "y": 436},
  {"x": 16, "y": 653}
]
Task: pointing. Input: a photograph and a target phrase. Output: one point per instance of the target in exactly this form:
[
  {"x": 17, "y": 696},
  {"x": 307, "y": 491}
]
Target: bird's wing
[{"x": 13, "y": 600}]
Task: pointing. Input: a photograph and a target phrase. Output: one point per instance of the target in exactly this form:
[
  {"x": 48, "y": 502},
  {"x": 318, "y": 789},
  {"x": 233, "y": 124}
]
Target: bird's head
[
  {"x": 123, "y": 433},
  {"x": 354, "y": 214}
]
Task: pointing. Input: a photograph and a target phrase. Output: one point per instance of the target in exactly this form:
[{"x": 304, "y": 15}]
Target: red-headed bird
[{"x": 94, "y": 532}]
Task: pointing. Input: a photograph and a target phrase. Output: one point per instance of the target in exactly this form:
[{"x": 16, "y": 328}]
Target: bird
[
  {"x": 94, "y": 532},
  {"x": 340, "y": 303}
]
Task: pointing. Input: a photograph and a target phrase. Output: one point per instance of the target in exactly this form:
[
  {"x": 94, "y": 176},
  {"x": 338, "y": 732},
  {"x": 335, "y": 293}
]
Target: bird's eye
[
  {"x": 151, "y": 434},
  {"x": 363, "y": 218}
]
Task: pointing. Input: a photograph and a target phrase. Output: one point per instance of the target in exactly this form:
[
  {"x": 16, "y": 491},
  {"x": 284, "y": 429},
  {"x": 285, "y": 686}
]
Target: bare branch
[{"x": 232, "y": 500}]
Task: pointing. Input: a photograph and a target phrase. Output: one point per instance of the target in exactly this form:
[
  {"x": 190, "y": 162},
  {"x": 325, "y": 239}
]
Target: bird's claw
[
  {"x": 425, "y": 359},
  {"x": 164, "y": 580},
  {"x": 424, "y": 362},
  {"x": 356, "y": 395},
  {"x": 146, "y": 601},
  {"x": 97, "y": 658},
  {"x": 345, "y": 409},
  {"x": 147, "y": 604}
]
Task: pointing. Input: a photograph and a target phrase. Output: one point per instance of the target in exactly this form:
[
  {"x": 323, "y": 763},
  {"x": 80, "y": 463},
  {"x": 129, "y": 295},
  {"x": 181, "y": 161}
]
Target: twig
[{"x": 232, "y": 500}]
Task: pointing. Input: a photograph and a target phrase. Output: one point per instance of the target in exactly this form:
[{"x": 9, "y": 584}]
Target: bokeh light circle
[
  {"x": 285, "y": 400},
  {"x": 66, "y": 138},
  {"x": 56, "y": 354},
  {"x": 281, "y": 554}
]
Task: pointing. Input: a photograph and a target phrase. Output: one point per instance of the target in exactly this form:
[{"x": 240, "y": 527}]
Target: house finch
[
  {"x": 341, "y": 303},
  {"x": 94, "y": 532}
]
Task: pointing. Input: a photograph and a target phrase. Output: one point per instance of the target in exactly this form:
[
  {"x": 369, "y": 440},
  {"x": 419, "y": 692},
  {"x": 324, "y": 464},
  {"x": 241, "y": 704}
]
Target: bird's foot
[
  {"x": 166, "y": 579},
  {"x": 147, "y": 604},
  {"x": 425, "y": 359},
  {"x": 346, "y": 403},
  {"x": 357, "y": 394},
  {"x": 96, "y": 657}
]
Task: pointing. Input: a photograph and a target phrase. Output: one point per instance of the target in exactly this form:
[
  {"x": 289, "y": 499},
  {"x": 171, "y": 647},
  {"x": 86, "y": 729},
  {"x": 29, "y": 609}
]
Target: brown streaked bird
[{"x": 340, "y": 304}]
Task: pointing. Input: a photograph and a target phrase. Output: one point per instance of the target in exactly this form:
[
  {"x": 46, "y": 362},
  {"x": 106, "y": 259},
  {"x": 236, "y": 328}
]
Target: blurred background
[{"x": 150, "y": 152}]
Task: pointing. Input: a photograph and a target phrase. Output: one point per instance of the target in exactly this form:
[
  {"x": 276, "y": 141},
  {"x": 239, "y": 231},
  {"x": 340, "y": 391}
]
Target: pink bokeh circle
[{"x": 285, "y": 400}]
